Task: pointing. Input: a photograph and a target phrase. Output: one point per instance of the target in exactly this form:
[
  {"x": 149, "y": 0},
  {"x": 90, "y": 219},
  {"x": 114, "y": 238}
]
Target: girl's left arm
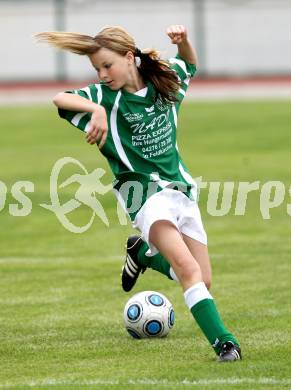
[{"x": 178, "y": 35}]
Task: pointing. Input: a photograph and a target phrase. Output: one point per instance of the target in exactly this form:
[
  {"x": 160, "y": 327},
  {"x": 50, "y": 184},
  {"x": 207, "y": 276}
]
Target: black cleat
[
  {"x": 131, "y": 268},
  {"x": 229, "y": 352}
]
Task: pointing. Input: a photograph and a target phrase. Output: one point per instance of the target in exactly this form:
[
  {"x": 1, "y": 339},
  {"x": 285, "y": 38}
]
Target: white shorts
[{"x": 173, "y": 206}]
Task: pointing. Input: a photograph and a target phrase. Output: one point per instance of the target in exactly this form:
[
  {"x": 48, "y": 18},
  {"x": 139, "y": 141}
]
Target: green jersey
[{"x": 141, "y": 146}]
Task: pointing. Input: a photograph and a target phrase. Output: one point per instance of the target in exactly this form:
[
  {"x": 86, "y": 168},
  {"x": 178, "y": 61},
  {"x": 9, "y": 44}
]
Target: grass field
[{"x": 61, "y": 303}]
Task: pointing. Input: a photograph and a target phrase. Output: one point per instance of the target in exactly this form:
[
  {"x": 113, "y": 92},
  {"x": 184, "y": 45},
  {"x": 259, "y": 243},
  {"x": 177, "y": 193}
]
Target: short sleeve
[
  {"x": 184, "y": 70},
  {"x": 81, "y": 120}
]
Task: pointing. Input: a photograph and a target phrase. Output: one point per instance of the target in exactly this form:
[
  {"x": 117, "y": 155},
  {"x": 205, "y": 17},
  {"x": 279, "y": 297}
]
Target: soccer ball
[{"x": 148, "y": 314}]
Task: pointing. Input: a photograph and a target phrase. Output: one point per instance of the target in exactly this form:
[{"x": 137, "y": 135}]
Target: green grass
[{"x": 61, "y": 303}]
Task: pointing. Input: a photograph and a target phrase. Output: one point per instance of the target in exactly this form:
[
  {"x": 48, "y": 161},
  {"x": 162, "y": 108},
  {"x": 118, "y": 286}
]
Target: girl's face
[{"x": 113, "y": 69}]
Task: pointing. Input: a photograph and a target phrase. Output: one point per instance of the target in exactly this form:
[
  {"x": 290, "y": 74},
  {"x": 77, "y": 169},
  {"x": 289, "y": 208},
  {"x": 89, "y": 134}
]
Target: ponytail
[{"x": 158, "y": 72}]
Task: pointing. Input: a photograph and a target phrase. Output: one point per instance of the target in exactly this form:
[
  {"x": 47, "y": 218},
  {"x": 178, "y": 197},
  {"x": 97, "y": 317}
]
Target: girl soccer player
[{"x": 132, "y": 116}]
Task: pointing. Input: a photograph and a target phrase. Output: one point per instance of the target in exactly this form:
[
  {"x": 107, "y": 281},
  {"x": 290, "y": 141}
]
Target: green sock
[
  {"x": 156, "y": 262},
  {"x": 208, "y": 318},
  {"x": 203, "y": 309}
]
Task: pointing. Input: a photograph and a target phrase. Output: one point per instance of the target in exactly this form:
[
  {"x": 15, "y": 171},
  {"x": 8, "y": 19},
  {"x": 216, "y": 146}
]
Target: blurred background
[
  {"x": 244, "y": 46},
  {"x": 234, "y": 38}
]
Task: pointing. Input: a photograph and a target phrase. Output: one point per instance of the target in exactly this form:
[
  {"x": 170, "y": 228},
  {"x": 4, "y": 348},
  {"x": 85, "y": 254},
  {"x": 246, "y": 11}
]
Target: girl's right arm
[
  {"x": 98, "y": 125},
  {"x": 179, "y": 36}
]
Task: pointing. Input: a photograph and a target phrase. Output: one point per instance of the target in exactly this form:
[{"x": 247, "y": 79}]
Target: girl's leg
[
  {"x": 136, "y": 262},
  {"x": 159, "y": 263},
  {"x": 200, "y": 253},
  {"x": 156, "y": 262},
  {"x": 167, "y": 239}
]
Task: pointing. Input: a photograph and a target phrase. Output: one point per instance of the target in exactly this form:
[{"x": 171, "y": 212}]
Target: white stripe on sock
[
  {"x": 195, "y": 294},
  {"x": 173, "y": 275}
]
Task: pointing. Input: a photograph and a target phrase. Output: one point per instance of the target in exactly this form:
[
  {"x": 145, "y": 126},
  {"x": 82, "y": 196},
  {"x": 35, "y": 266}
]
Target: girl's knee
[
  {"x": 188, "y": 269},
  {"x": 207, "y": 282}
]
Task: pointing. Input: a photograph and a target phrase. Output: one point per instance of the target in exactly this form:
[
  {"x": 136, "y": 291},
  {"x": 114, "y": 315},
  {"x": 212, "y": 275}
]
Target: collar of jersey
[{"x": 149, "y": 97}]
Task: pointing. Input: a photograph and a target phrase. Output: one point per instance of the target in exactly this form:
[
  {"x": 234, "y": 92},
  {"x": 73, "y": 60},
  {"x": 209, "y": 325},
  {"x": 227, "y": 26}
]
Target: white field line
[
  {"x": 64, "y": 260},
  {"x": 150, "y": 382},
  {"x": 57, "y": 260}
]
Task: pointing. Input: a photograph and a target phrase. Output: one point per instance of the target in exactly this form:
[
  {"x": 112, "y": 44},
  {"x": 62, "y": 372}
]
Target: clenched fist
[{"x": 177, "y": 33}]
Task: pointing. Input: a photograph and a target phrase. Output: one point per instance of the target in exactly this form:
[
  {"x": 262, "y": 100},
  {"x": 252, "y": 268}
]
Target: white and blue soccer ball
[{"x": 148, "y": 314}]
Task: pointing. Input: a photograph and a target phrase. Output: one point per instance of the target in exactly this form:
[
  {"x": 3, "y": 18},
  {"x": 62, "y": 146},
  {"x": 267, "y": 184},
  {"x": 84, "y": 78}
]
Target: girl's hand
[
  {"x": 177, "y": 34},
  {"x": 98, "y": 127}
]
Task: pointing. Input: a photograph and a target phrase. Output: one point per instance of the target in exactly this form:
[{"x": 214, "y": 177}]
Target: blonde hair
[{"x": 117, "y": 39}]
